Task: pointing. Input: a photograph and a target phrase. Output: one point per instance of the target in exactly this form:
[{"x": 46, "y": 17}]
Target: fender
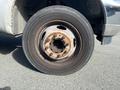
[{"x": 112, "y": 14}]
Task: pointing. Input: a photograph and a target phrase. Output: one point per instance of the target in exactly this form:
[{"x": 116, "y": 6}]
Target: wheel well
[{"x": 92, "y": 9}]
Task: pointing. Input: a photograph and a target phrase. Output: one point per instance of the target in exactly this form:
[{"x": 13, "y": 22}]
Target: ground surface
[{"x": 101, "y": 73}]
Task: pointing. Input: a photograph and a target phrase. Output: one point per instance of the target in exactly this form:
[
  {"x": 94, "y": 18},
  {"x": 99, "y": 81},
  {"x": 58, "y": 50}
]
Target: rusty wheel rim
[{"x": 57, "y": 40}]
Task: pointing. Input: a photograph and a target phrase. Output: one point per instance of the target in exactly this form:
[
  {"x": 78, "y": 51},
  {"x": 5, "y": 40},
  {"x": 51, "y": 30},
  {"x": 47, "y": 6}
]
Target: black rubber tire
[{"x": 54, "y": 13}]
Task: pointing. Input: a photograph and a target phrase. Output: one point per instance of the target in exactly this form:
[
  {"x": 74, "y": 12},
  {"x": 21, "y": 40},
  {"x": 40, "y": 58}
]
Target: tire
[{"x": 44, "y": 56}]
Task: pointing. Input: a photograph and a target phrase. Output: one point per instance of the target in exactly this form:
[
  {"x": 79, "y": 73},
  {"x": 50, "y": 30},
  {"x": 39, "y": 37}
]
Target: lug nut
[
  {"x": 65, "y": 52},
  {"x": 54, "y": 36},
  {"x": 47, "y": 41},
  {"x": 58, "y": 56},
  {"x": 46, "y": 48},
  {"x": 67, "y": 44},
  {"x": 51, "y": 54}
]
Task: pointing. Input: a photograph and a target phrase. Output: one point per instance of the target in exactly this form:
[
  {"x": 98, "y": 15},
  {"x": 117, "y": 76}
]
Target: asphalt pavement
[{"x": 101, "y": 73}]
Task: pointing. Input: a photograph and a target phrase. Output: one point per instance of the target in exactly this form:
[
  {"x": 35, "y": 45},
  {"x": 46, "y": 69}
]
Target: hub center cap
[{"x": 58, "y": 45}]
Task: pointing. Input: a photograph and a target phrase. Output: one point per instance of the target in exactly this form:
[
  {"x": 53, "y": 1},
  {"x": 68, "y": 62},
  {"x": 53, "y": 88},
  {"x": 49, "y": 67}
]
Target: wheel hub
[{"x": 58, "y": 43}]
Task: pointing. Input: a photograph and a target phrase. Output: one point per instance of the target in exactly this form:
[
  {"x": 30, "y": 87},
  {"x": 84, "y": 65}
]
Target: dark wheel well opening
[{"x": 92, "y": 9}]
